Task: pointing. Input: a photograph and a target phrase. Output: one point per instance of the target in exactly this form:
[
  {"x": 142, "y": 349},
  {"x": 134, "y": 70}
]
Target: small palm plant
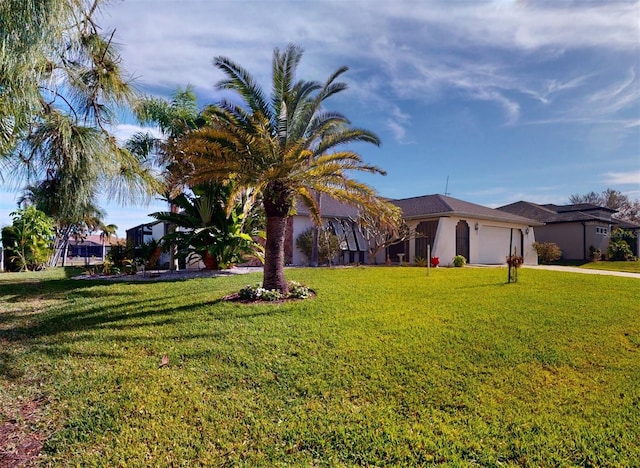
[{"x": 214, "y": 226}]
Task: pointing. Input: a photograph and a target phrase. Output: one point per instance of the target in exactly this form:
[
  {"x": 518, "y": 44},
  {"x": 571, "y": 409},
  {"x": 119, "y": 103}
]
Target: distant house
[
  {"x": 448, "y": 225},
  {"x": 142, "y": 234},
  {"x": 91, "y": 246},
  {"x": 455, "y": 227},
  {"x": 574, "y": 228}
]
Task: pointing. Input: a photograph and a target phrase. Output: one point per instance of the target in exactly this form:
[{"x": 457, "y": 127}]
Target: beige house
[
  {"x": 576, "y": 228},
  {"x": 447, "y": 225}
]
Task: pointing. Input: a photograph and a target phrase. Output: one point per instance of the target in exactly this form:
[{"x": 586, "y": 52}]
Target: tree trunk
[
  {"x": 277, "y": 201},
  {"x": 314, "y": 247},
  {"x": 274, "y": 255}
]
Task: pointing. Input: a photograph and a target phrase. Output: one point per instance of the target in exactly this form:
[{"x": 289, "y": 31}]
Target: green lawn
[{"x": 385, "y": 367}]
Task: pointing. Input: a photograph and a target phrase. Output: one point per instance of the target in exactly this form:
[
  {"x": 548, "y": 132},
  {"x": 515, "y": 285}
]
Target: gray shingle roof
[
  {"x": 434, "y": 206},
  {"x": 330, "y": 208},
  {"x": 551, "y": 214}
]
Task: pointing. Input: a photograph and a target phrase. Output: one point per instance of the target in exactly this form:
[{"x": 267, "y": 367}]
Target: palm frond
[{"x": 241, "y": 81}]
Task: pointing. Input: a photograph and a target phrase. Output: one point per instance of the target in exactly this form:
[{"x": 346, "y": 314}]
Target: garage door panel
[{"x": 494, "y": 244}]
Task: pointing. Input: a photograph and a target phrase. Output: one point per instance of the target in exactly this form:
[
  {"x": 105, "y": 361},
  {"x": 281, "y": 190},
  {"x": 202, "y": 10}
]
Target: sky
[{"x": 491, "y": 102}]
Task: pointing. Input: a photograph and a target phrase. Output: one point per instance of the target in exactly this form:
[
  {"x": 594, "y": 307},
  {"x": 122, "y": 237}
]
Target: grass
[{"x": 385, "y": 367}]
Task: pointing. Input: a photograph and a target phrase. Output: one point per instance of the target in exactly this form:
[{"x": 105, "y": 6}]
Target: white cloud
[
  {"x": 123, "y": 132},
  {"x": 622, "y": 178}
]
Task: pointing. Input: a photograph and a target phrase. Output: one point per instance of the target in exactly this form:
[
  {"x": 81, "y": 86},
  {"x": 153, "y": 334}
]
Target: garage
[{"x": 494, "y": 243}]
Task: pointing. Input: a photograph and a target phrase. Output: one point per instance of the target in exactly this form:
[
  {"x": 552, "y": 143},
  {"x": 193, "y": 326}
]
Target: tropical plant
[
  {"x": 547, "y": 251},
  {"x": 420, "y": 261},
  {"x": 174, "y": 118},
  {"x": 62, "y": 88},
  {"x": 209, "y": 229},
  {"x": 28, "y": 242},
  {"x": 285, "y": 147},
  {"x": 106, "y": 232},
  {"x": 328, "y": 244}
]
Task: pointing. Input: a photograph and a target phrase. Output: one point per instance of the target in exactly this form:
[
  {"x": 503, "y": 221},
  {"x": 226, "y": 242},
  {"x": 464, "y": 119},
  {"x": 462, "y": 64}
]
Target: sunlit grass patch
[{"x": 385, "y": 366}]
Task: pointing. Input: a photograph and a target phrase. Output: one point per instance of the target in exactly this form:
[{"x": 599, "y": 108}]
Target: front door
[{"x": 462, "y": 239}]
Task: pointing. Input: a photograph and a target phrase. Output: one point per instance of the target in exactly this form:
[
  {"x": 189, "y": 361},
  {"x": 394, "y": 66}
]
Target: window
[{"x": 602, "y": 230}]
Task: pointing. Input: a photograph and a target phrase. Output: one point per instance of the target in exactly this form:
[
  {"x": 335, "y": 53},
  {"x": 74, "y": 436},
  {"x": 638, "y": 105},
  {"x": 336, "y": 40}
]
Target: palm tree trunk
[{"x": 274, "y": 255}]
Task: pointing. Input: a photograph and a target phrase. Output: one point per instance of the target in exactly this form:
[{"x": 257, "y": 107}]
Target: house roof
[
  {"x": 330, "y": 208},
  {"x": 580, "y": 212},
  {"x": 95, "y": 240},
  {"x": 435, "y": 206}
]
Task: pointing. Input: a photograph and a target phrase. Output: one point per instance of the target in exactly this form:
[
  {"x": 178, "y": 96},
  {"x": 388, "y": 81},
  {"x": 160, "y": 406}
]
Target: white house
[
  {"x": 447, "y": 225},
  {"x": 455, "y": 227}
]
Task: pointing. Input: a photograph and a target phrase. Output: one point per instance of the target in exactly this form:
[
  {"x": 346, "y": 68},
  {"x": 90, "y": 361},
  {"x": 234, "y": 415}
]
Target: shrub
[
  {"x": 459, "y": 261},
  {"x": 515, "y": 261},
  {"x": 328, "y": 244},
  {"x": 547, "y": 251},
  {"x": 420, "y": 262},
  {"x": 594, "y": 254},
  {"x": 258, "y": 293},
  {"x": 298, "y": 290},
  {"x": 618, "y": 248}
]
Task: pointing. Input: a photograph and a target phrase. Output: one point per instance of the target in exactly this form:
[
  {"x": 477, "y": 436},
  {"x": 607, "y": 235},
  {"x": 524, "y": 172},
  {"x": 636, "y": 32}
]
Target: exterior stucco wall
[
  {"x": 574, "y": 239},
  {"x": 300, "y": 224},
  {"x": 481, "y": 248}
]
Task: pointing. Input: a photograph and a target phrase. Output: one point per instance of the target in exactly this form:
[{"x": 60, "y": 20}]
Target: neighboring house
[
  {"x": 448, "y": 225},
  {"x": 339, "y": 218},
  {"x": 144, "y": 233},
  {"x": 455, "y": 227},
  {"x": 90, "y": 246},
  {"x": 574, "y": 228}
]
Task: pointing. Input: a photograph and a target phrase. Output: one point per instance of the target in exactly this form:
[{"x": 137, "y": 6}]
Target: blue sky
[{"x": 509, "y": 100}]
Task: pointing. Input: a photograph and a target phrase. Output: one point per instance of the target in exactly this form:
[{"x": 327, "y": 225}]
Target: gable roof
[
  {"x": 435, "y": 206},
  {"x": 551, "y": 214}
]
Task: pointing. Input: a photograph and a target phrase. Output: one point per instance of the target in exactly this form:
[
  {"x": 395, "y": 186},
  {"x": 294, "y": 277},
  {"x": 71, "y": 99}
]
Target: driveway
[{"x": 585, "y": 271}]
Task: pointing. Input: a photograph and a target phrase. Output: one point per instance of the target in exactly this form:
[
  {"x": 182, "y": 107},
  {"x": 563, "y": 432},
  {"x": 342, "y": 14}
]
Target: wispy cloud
[
  {"x": 622, "y": 178},
  {"x": 474, "y": 48},
  {"x": 397, "y": 124}
]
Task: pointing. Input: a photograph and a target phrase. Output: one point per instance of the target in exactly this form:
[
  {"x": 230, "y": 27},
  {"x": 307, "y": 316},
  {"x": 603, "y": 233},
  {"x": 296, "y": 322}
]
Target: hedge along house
[
  {"x": 453, "y": 227},
  {"x": 577, "y": 229}
]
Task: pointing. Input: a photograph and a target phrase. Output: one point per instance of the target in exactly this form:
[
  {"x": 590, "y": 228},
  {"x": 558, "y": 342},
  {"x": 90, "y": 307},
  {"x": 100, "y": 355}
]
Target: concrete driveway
[{"x": 585, "y": 271}]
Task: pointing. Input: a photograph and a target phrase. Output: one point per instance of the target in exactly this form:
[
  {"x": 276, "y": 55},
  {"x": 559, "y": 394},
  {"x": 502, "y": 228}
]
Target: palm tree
[
  {"x": 286, "y": 148},
  {"x": 174, "y": 118},
  {"x": 106, "y": 231}
]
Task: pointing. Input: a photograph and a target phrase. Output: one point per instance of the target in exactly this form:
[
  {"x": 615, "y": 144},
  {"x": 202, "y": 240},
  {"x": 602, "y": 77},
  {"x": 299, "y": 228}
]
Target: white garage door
[{"x": 494, "y": 244}]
